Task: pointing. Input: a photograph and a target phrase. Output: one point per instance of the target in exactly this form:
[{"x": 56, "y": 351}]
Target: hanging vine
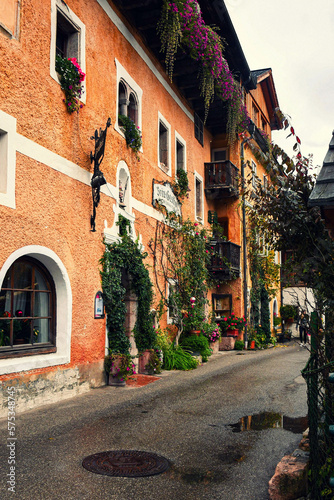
[
  {"x": 120, "y": 259},
  {"x": 181, "y": 25}
]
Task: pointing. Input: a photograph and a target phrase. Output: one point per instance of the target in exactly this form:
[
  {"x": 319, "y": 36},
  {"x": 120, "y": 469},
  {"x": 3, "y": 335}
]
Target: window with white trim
[
  {"x": 199, "y": 129},
  {"x": 10, "y": 18},
  {"x": 68, "y": 35},
  {"x": 7, "y": 159},
  {"x": 199, "y": 208},
  {"x": 129, "y": 98},
  {"x": 164, "y": 145},
  {"x": 219, "y": 154},
  {"x": 180, "y": 153},
  {"x": 27, "y": 310},
  {"x": 127, "y": 102}
]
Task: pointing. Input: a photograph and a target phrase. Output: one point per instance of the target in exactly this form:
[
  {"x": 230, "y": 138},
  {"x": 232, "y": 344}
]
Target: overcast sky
[{"x": 295, "y": 38}]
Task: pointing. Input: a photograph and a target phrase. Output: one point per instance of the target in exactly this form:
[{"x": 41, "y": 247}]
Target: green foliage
[
  {"x": 154, "y": 363},
  {"x": 119, "y": 259},
  {"x": 71, "y": 77},
  {"x": 119, "y": 365},
  {"x": 197, "y": 344},
  {"x": 260, "y": 337},
  {"x": 181, "y": 256},
  {"x": 175, "y": 358},
  {"x": 132, "y": 134},
  {"x": 288, "y": 311},
  {"x": 239, "y": 345},
  {"x": 182, "y": 26},
  {"x": 181, "y": 185}
]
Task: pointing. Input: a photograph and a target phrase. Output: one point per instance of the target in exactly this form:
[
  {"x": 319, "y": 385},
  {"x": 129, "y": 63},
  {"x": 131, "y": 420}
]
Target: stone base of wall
[
  {"x": 226, "y": 344},
  {"x": 34, "y": 390}
]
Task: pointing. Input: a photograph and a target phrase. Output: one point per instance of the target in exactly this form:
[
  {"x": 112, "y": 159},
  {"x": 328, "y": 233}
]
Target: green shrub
[
  {"x": 176, "y": 358},
  {"x": 198, "y": 344},
  {"x": 239, "y": 345}
]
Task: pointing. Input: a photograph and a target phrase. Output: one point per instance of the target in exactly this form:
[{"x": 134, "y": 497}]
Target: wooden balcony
[
  {"x": 221, "y": 180},
  {"x": 225, "y": 263}
]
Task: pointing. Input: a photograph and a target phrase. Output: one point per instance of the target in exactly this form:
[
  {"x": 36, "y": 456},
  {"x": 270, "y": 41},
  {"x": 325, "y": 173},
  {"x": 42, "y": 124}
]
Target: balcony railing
[
  {"x": 221, "y": 180},
  {"x": 225, "y": 263}
]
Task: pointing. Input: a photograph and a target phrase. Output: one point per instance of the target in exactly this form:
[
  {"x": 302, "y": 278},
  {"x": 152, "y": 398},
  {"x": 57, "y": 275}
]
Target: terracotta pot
[
  {"x": 195, "y": 332},
  {"x": 143, "y": 360},
  {"x": 232, "y": 333},
  {"x": 252, "y": 344}
]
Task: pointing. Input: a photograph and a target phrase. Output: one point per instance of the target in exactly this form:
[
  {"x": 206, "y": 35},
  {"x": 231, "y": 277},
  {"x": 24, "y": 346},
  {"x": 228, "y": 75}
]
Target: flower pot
[
  {"x": 252, "y": 344},
  {"x": 195, "y": 332},
  {"x": 144, "y": 358},
  {"x": 116, "y": 381},
  {"x": 232, "y": 333}
]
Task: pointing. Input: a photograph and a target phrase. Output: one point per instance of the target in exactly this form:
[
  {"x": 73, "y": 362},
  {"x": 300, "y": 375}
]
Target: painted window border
[
  {"x": 63, "y": 314},
  {"x": 122, "y": 74},
  {"x": 198, "y": 177},
  {"x": 67, "y": 12},
  {"x": 7, "y": 159},
  {"x": 179, "y": 138},
  {"x": 162, "y": 119}
]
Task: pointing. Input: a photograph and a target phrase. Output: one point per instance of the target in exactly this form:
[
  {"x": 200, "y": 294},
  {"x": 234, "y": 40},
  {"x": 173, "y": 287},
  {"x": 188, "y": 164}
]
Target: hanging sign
[
  {"x": 98, "y": 306},
  {"x": 163, "y": 195}
]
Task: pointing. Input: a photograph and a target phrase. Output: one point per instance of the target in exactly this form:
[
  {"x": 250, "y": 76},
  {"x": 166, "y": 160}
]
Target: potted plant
[
  {"x": 132, "y": 134},
  {"x": 119, "y": 367},
  {"x": 212, "y": 332},
  {"x": 233, "y": 324},
  {"x": 153, "y": 365},
  {"x": 288, "y": 312},
  {"x": 71, "y": 77}
]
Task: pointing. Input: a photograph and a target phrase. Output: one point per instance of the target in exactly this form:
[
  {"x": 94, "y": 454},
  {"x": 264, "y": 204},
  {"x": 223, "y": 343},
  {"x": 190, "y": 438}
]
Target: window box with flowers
[
  {"x": 132, "y": 134},
  {"x": 71, "y": 77},
  {"x": 232, "y": 325}
]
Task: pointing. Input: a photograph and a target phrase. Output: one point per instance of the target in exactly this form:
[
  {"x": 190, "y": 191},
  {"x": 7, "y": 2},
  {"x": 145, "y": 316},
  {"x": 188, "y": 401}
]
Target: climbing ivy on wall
[{"x": 120, "y": 259}]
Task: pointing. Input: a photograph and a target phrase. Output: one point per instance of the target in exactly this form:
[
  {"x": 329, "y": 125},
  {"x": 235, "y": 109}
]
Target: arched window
[
  {"x": 132, "y": 109},
  {"x": 122, "y": 100},
  {"x": 27, "y": 309}
]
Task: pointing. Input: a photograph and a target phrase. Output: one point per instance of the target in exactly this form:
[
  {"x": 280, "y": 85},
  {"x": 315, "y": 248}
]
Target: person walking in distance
[{"x": 303, "y": 328}]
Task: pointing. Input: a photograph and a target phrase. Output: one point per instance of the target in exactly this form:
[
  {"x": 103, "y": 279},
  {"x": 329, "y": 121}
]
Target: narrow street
[{"x": 185, "y": 417}]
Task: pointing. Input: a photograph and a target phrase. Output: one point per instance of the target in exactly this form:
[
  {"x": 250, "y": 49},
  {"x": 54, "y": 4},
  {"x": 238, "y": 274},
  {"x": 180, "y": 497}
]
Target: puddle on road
[{"x": 270, "y": 420}]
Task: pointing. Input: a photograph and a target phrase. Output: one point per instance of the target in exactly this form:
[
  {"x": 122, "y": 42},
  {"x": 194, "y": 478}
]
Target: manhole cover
[{"x": 126, "y": 463}]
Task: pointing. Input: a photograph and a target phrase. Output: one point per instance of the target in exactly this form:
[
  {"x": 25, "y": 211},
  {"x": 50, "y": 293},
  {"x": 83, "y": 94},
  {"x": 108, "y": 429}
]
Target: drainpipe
[{"x": 244, "y": 232}]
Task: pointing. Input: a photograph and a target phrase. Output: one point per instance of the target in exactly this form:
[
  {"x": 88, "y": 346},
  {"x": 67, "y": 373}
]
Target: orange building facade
[{"x": 49, "y": 256}]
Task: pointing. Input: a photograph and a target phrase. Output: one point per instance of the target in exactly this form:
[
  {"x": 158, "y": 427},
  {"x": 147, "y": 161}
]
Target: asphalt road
[{"x": 185, "y": 417}]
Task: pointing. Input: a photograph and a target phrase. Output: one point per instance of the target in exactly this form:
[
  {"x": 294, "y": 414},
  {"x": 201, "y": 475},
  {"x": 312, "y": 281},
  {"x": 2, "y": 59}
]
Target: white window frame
[
  {"x": 63, "y": 313},
  {"x": 179, "y": 139},
  {"x": 122, "y": 74},
  {"x": 73, "y": 19},
  {"x": 165, "y": 123},
  {"x": 199, "y": 178},
  {"x": 7, "y": 159}
]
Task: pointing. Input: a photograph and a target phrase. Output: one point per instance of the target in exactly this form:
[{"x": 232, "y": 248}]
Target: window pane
[
  {"x": 4, "y": 332},
  {"x": 22, "y": 304},
  {"x": 5, "y": 298},
  {"x": 40, "y": 283},
  {"x": 22, "y": 275},
  {"x": 21, "y": 331},
  {"x": 41, "y": 306},
  {"x": 41, "y": 331},
  {"x": 7, "y": 282}
]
